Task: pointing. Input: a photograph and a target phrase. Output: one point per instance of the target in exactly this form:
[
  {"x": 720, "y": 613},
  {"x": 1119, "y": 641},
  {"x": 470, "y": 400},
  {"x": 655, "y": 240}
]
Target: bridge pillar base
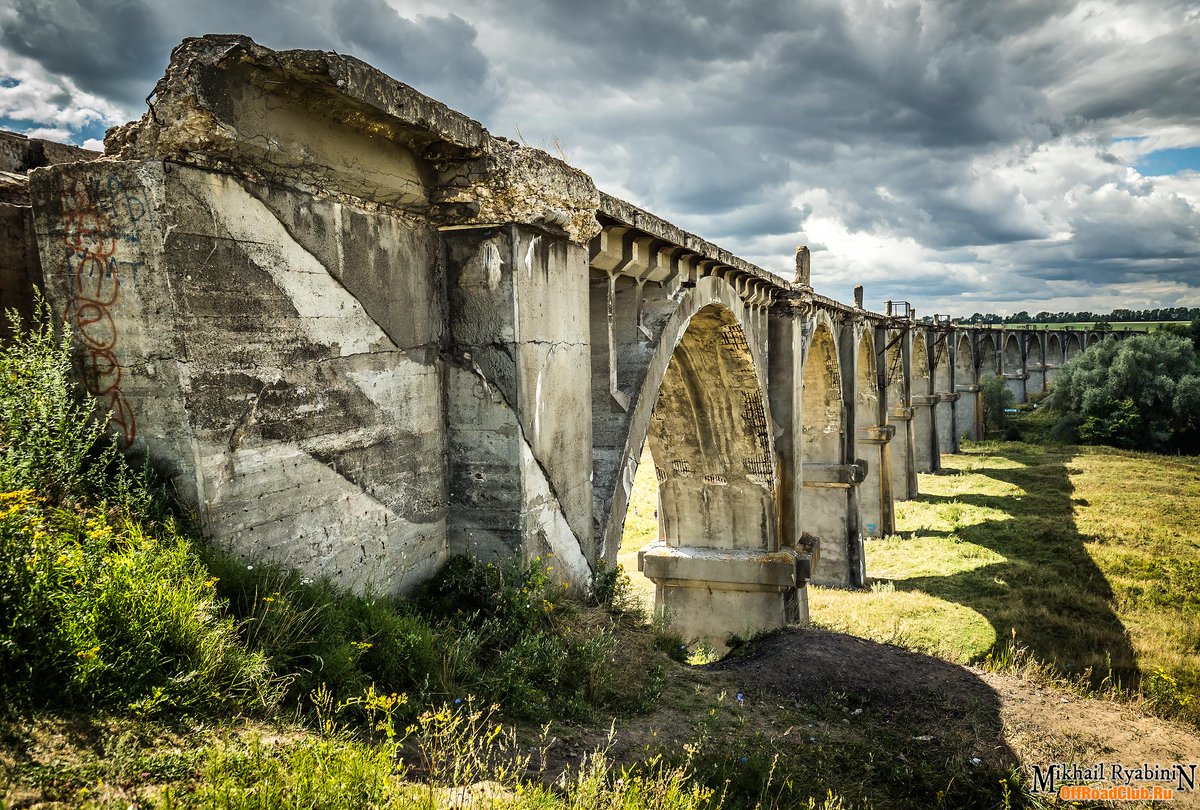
[{"x": 713, "y": 594}]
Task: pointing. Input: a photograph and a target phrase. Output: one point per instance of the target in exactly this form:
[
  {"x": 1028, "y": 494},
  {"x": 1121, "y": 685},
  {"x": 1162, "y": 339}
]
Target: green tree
[
  {"x": 1190, "y": 331},
  {"x": 1142, "y": 392},
  {"x": 997, "y": 398}
]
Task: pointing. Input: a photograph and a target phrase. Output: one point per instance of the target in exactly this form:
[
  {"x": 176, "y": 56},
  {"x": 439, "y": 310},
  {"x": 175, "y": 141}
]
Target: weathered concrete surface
[
  {"x": 519, "y": 401},
  {"x": 224, "y": 325},
  {"x": 20, "y": 154},
  {"x": 20, "y": 267},
  {"x": 361, "y": 334}
]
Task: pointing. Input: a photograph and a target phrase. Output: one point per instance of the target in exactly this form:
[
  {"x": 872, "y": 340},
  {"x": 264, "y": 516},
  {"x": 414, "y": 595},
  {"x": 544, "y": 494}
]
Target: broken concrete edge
[
  {"x": 20, "y": 153},
  {"x": 331, "y": 73},
  {"x": 457, "y": 172}
]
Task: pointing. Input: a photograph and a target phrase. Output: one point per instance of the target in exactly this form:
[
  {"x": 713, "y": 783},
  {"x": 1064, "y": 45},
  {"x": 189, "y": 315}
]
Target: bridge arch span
[
  {"x": 943, "y": 389},
  {"x": 904, "y": 378},
  {"x": 827, "y": 479},
  {"x": 989, "y": 355},
  {"x": 726, "y": 328},
  {"x": 1013, "y": 366},
  {"x": 966, "y": 385},
  {"x": 1054, "y": 358},
  {"x": 870, "y": 438},
  {"x": 1072, "y": 346},
  {"x": 924, "y": 409}
]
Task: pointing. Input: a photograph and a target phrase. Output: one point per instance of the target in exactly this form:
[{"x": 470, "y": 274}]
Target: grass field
[{"x": 1089, "y": 558}]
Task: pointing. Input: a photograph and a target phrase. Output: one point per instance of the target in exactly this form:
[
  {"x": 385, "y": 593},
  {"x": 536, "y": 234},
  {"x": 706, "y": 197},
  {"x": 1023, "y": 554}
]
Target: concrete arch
[
  {"x": 1013, "y": 359},
  {"x": 1035, "y": 363},
  {"x": 871, "y": 445},
  {"x": 895, "y": 366},
  {"x": 924, "y": 415},
  {"x": 825, "y": 495},
  {"x": 1054, "y": 351},
  {"x": 709, "y": 292},
  {"x": 901, "y": 373},
  {"x": 943, "y": 389},
  {"x": 1013, "y": 367},
  {"x": 1072, "y": 345},
  {"x": 1054, "y": 357},
  {"x": 1092, "y": 339},
  {"x": 711, "y": 443},
  {"x": 966, "y": 385},
  {"x": 989, "y": 356},
  {"x": 964, "y": 360}
]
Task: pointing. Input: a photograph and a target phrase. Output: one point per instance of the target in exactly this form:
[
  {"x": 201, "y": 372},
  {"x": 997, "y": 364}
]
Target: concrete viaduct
[{"x": 362, "y": 334}]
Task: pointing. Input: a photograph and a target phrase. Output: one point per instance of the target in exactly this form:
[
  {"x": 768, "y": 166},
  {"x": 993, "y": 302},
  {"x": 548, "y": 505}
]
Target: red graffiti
[{"x": 93, "y": 287}]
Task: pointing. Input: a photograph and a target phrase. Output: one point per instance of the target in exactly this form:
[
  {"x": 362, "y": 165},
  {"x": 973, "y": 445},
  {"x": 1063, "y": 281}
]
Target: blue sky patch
[{"x": 1169, "y": 161}]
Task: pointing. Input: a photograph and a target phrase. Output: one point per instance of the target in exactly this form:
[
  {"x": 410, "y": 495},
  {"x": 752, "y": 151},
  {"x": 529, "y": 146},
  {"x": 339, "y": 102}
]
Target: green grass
[
  {"x": 1087, "y": 558},
  {"x": 641, "y": 528}
]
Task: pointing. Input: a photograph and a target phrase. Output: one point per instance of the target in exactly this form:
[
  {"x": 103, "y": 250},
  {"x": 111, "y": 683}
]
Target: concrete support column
[
  {"x": 519, "y": 397},
  {"x": 875, "y": 503},
  {"x": 831, "y": 522},
  {"x": 1016, "y": 382},
  {"x": 1049, "y": 373},
  {"x": 926, "y": 457},
  {"x": 969, "y": 412},
  {"x": 903, "y": 488},
  {"x": 945, "y": 419},
  {"x": 721, "y": 566},
  {"x": 1036, "y": 383}
]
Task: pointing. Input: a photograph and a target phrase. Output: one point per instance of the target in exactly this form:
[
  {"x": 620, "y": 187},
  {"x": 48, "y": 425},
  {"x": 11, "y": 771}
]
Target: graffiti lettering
[{"x": 93, "y": 281}]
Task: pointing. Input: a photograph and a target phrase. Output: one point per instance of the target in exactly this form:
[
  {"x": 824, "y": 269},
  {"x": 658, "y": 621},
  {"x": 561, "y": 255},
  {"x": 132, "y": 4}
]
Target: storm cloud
[{"x": 963, "y": 156}]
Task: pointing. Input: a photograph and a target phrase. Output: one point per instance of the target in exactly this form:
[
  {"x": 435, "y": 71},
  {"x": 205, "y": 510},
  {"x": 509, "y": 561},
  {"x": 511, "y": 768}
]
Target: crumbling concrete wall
[
  {"x": 518, "y": 398},
  {"x": 278, "y": 352},
  {"x": 20, "y": 267},
  {"x": 257, "y": 275}
]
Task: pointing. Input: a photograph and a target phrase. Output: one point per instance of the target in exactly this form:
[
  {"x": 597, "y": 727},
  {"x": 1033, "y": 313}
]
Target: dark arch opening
[
  {"x": 1054, "y": 351},
  {"x": 824, "y": 500},
  {"x": 988, "y": 358},
  {"x": 1072, "y": 347},
  {"x": 1013, "y": 362}
]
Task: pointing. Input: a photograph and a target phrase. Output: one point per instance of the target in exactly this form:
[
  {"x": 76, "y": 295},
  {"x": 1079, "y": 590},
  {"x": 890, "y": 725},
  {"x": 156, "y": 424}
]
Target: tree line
[{"x": 1116, "y": 316}]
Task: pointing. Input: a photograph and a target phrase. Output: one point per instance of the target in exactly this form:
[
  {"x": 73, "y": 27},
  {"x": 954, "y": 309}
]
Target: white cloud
[{"x": 54, "y": 103}]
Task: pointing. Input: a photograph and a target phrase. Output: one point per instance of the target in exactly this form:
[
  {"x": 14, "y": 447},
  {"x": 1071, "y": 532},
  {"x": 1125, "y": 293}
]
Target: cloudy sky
[{"x": 964, "y": 156}]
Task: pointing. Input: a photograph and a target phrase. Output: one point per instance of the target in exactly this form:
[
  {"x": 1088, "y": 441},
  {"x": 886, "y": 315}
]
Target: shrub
[
  {"x": 50, "y": 441},
  {"x": 996, "y": 399},
  {"x": 102, "y": 615},
  {"x": 1139, "y": 393}
]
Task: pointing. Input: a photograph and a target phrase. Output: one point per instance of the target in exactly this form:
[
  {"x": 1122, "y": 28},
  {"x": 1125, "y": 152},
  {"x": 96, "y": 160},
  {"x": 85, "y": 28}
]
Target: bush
[
  {"x": 104, "y": 602},
  {"x": 50, "y": 441},
  {"x": 101, "y": 615},
  {"x": 996, "y": 399},
  {"x": 1139, "y": 393}
]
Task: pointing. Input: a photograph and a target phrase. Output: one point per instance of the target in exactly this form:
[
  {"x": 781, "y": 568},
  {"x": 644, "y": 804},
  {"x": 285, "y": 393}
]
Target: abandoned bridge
[{"x": 361, "y": 334}]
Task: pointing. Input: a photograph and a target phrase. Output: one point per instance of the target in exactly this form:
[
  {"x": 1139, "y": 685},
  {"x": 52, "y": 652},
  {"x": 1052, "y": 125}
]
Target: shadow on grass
[{"x": 1048, "y": 594}]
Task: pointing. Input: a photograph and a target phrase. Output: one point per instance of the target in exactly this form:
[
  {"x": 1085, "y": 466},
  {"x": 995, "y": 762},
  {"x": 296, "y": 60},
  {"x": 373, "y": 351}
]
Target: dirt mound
[{"x": 999, "y": 718}]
